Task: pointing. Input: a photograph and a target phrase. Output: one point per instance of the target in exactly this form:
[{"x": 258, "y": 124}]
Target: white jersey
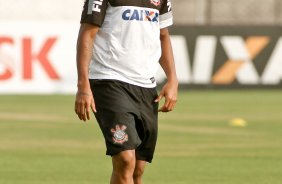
[{"x": 127, "y": 45}]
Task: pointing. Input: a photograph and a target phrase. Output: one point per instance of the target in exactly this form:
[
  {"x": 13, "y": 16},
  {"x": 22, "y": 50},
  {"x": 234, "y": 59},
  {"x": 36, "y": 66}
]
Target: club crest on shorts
[
  {"x": 156, "y": 2},
  {"x": 119, "y": 134}
]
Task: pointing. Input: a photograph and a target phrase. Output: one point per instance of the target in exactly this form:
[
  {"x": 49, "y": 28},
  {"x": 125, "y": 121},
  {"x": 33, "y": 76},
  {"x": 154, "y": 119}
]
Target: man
[{"x": 125, "y": 40}]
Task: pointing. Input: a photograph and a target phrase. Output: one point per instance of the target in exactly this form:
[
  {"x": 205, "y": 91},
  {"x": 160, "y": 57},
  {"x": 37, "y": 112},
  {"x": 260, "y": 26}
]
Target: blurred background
[
  {"x": 217, "y": 43},
  {"x": 230, "y": 12},
  {"x": 186, "y": 12},
  {"x": 226, "y": 128}
]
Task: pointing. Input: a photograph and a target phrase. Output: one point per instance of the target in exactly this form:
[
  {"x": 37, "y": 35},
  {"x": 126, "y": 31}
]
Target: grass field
[{"x": 42, "y": 141}]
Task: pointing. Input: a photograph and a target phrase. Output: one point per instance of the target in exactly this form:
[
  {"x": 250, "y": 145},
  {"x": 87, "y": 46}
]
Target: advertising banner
[
  {"x": 227, "y": 56},
  {"x": 39, "y": 57}
]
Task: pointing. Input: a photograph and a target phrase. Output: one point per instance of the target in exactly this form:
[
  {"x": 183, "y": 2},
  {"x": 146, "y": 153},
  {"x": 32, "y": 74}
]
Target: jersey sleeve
[
  {"x": 94, "y": 12},
  {"x": 166, "y": 18}
]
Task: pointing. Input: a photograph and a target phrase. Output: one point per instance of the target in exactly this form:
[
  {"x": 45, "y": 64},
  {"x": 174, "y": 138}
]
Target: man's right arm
[{"x": 84, "y": 98}]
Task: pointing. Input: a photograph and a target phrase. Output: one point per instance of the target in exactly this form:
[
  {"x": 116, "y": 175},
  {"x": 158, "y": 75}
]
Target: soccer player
[{"x": 120, "y": 46}]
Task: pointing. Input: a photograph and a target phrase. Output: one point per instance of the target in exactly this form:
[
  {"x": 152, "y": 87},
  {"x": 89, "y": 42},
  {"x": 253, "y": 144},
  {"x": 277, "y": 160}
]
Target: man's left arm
[{"x": 170, "y": 89}]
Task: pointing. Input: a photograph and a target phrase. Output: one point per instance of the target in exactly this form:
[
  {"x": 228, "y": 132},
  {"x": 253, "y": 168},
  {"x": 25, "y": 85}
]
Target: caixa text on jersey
[{"x": 140, "y": 15}]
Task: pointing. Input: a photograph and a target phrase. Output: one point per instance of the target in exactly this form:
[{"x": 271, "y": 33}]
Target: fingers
[
  {"x": 159, "y": 98},
  {"x": 88, "y": 111},
  {"x": 78, "y": 109},
  {"x": 88, "y": 107},
  {"x": 93, "y": 107},
  {"x": 169, "y": 92},
  {"x": 82, "y": 111},
  {"x": 168, "y": 105},
  {"x": 83, "y": 107}
]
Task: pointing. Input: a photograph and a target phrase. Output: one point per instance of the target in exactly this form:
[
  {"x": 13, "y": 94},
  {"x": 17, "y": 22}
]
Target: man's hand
[
  {"x": 169, "y": 92},
  {"x": 83, "y": 103}
]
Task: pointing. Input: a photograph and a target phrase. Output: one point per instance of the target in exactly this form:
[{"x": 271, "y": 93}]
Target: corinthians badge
[
  {"x": 156, "y": 2},
  {"x": 119, "y": 134}
]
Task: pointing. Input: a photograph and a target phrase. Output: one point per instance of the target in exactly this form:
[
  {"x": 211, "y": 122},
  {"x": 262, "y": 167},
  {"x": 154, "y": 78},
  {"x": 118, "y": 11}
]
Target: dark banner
[{"x": 223, "y": 56}]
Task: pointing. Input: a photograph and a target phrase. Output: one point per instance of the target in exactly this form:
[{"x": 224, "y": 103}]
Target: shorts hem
[
  {"x": 138, "y": 157},
  {"x": 149, "y": 160},
  {"x": 115, "y": 152}
]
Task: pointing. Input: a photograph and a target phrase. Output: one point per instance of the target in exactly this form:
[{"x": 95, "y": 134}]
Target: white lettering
[
  {"x": 204, "y": 59},
  {"x": 169, "y": 5},
  {"x": 273, "y": 70},
  {"x": 236, "y": 50},
  {"x": 96, "y": 5}
]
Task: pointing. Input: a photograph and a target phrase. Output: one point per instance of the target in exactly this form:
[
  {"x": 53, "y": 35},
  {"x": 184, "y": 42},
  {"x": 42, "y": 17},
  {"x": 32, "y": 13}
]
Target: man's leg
[
  {"x": 138, "y": 171},
  {"x": 123, "y": 167}
]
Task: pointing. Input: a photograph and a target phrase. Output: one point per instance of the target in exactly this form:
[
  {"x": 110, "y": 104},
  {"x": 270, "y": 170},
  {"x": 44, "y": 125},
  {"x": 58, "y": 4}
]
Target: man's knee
[{"x": 125, "y": 159}]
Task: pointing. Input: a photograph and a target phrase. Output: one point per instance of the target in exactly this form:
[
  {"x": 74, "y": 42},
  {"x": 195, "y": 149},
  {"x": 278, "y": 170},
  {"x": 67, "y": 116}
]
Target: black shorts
[{"x": 127, "y": 116}]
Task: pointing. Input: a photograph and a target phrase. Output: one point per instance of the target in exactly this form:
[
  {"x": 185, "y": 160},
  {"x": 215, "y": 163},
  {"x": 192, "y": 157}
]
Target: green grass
[{"x": 42, "y": 141}]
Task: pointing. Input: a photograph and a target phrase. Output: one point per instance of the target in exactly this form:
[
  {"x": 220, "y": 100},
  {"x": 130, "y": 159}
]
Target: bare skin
[
  {"x": 126, "y": 169},
  {"x": 170, "y": 89},
  {"x": 84, "y": 98},
  {"x": 139, "y": 171},
  {"x": 123, "y": 167}
]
